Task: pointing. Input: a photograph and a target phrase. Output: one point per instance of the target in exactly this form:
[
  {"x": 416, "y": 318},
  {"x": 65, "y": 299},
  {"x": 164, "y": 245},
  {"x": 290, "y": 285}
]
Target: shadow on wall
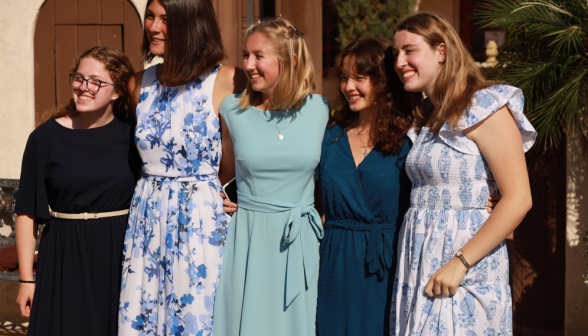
[{"x": 538, "y": 262}]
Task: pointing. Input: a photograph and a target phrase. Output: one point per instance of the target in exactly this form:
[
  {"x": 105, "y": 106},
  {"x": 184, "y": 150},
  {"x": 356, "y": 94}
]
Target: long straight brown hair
[
  {"x": 459, "y": 77},
  {"x": 193, "y": 41}
]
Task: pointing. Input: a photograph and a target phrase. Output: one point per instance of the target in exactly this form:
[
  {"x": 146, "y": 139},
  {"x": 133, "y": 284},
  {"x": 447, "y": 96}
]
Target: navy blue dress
[{"x": 364, "y": 208}]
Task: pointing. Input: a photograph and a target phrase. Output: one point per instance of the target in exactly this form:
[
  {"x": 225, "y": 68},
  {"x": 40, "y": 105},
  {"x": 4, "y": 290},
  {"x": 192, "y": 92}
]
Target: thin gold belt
[{"x": 88, "y": 215}]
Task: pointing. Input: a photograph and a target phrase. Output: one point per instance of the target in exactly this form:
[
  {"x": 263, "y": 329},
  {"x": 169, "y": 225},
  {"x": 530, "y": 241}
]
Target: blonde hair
[
  {"x": 295, "y": 82},
  {"x": 459, "y": 78}
]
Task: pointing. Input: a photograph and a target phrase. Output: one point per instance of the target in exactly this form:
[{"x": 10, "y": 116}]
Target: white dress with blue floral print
[
  {"x": 176, "y": 232},
  {"x": 451, "y": 181}
]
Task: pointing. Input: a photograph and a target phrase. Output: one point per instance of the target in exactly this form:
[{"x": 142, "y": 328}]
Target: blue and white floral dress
[
  {"x": 451, "y": 181},
  {"x": 174, "y": 241}
]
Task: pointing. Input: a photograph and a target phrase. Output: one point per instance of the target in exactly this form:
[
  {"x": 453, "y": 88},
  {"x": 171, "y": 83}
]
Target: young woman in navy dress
[{"x": 81, "y": 163}]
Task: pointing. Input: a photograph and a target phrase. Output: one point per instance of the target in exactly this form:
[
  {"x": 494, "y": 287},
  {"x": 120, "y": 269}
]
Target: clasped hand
[{"x": 447, "y": 279}]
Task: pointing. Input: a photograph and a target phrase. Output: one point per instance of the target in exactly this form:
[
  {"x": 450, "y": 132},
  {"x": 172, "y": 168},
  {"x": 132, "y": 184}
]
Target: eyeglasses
[{"x": 92, "y": 84}]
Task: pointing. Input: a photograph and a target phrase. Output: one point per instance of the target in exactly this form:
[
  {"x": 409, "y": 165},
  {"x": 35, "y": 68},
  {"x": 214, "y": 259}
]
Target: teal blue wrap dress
[
  {"x": 364, "y": 208},
  {"x": 268, "y": 282}
]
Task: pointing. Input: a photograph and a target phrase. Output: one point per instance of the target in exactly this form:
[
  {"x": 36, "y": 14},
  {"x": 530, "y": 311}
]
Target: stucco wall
[
  {"x": 449, "y": 9},
  {"x": 17, "y": 93}
]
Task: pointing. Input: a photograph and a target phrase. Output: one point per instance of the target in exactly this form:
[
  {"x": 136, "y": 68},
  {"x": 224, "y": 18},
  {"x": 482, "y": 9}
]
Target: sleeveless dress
[
  {"x": 451, "y": 181},
  {"x": 177, "y": 226},
  {"x": 268, "y": 285},
  {"x": 78, "y": 274},
  {"x": 364, "y": 208}
]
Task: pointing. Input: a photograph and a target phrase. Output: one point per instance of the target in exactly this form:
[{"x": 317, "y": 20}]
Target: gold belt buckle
[{"x": 94, "y": 215}]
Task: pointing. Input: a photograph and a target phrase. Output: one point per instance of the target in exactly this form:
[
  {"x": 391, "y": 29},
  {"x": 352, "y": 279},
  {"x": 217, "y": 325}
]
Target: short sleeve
[
  {"x": 484, "y": 104},
  {"x": 32, "y": 193}
]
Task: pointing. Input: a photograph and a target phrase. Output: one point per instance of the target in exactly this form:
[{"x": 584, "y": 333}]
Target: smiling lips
[
  {"x": 408, "y": 74},
  {"x": 156, "y": 41},
  {"x": 354, "y": 98},
  {"x": 255, "y": 77},
  {"x": 85, "y": 98}
]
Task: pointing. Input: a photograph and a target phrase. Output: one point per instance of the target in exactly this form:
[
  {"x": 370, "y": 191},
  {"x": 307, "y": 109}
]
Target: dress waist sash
[
  {"x": 302, "y": 258},
  {"x": 379, "y": 254},
  {"x": 193, "y": 178}
]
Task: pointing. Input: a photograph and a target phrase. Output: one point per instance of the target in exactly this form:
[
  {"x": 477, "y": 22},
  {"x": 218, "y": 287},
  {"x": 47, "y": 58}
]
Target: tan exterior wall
[
  {"x": 576, "y": 292},
  {"x": 449, "y": 9},
  {"x": 17, "y": 90}
]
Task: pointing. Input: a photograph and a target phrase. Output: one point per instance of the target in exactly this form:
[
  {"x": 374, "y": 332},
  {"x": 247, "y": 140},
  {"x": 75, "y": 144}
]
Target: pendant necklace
[
  {"x": 280, "y": 135},
  {"x": 365, "y": 151}
]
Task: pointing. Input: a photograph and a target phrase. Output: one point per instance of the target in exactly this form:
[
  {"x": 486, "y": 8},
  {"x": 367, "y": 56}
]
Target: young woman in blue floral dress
[
  {"x": 177, "y": 227},
  {"x": 452, "y": 275}
]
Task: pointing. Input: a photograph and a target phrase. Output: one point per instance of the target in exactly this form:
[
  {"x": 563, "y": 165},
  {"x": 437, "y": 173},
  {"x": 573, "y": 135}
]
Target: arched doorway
[{"x": 65, "y": 29}]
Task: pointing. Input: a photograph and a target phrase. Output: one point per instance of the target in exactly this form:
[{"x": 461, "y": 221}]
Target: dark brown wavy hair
[
  {"x": 119, "y": 69},
  {"x": 193, "y": 41},
  {"x": 390, "y": 105}
]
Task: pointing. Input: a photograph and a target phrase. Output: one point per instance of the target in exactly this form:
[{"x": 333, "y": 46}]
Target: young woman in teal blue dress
[
  {"x": 365, "y": 193},
  {"x": 268, "y": 284}
]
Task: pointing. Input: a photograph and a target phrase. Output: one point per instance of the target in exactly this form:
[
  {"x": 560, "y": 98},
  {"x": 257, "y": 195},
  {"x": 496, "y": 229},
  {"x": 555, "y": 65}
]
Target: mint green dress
[{"x": 268, "y": 282}]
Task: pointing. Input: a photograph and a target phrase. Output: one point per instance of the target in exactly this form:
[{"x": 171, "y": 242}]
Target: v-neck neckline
[{"x": 350, "y": 152}]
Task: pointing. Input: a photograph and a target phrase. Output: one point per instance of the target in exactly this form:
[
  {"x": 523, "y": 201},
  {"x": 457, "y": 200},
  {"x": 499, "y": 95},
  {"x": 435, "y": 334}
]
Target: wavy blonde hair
[
  {"x": 459, "y": 78},
  {"x": 295, "y": 82}
]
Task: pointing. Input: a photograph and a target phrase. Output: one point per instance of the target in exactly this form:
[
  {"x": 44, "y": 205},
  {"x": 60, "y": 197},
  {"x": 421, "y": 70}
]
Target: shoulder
[
  {"x": 230, "y": 77},
  {"x": 318, "y": 105},
  {"x": 487, "y": 101},
  {"x": 230, "y": 105},
  {"x": 45, "y": 129}
]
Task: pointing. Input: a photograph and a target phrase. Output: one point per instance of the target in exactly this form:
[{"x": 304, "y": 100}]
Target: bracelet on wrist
[
  {"x": 26, "y": 281},
  {"x": 459, "y": 255}
]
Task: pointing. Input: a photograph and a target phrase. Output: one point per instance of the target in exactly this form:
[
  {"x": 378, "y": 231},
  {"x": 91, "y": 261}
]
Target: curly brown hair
[
  {"x": 390, "y": 106},
  {"x": 120, "y": 70}
]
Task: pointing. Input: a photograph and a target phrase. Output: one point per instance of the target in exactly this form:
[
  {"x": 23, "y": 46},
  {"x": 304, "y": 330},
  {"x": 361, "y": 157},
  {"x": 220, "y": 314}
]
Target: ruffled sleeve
[
  {"x": 32, "y": 193},
  {"x": 485, "y": 103}
]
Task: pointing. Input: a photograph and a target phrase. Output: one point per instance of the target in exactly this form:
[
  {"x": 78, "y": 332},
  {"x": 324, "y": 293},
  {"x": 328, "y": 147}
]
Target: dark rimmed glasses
[{"x": 92, "y": 84}]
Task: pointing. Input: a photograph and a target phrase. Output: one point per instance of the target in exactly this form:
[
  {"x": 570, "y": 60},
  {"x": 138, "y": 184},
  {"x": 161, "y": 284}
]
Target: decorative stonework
[{"x": 8, "y": 192}]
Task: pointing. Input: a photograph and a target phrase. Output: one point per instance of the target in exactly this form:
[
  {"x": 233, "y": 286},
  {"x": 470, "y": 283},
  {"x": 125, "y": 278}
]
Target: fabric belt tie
[
  {"x": 301, "y": 256},
  {"x": 379, "y": 255}
]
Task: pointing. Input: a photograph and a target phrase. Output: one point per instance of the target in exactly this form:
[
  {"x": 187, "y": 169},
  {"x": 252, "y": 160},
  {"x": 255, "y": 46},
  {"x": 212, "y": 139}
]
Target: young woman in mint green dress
[{"x": 268, "y": 284}]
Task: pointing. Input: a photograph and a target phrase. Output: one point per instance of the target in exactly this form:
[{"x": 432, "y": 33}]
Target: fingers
[
  {"x": 429, "y": 287},
  {"x": 437, "y": 287},
  {"x": 25, "y": 308}
]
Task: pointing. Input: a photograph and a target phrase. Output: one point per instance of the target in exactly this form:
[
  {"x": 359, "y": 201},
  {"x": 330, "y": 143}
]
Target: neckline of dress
[{"x": 84, "y": 129}]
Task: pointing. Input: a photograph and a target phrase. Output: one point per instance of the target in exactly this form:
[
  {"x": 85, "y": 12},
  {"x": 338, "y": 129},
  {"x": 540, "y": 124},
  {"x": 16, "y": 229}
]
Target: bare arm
[
  {"x": 26, "y": 242},
  {"x": 227, "y": 164},
  {"x": 500, "y": 142},
  {"x": 134, "y": 88}
]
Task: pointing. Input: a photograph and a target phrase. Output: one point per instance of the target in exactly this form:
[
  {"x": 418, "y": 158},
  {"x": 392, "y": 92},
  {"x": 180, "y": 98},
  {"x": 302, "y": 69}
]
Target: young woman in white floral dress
[
  {"x": 452, "y": 275},
  {"x": 177, "y": 226}
]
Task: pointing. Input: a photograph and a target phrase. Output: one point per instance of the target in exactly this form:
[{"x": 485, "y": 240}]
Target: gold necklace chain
[{"x": 280, "y": 135}]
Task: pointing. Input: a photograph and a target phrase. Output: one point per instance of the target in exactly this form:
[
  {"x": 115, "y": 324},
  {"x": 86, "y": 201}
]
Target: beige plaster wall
[
  {"x": 576, "y": 292},
  {"x": 449, "y": 9},
  {"x": 17, "y": 93}
]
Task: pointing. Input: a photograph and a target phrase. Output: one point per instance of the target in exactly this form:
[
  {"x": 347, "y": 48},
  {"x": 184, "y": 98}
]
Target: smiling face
[
  {"x": 262, "y": 66},
  {"x": 356, "y": 88},
  {"x": 417, "y": 64},
  {"x": 156, "y": 27},
  {"x": 87, "y": 101}
]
